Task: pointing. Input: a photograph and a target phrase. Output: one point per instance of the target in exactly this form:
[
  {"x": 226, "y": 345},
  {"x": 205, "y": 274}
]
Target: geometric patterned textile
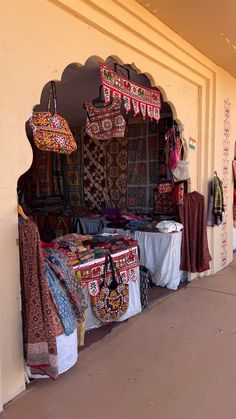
[
  {"x": 95, "y": 184},
  {"x": 142, "y": 99},
  {"x": 74, "y": 172},
  {"x": 142, "y": 169},
  {"x": 116, "y": 172}
]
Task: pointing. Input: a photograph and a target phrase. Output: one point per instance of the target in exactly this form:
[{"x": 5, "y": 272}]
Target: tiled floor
[{"x": 176, "y": 360}]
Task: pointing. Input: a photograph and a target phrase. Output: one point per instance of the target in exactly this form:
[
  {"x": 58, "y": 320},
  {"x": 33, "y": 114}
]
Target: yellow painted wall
[{"x": 39, "y": 39}]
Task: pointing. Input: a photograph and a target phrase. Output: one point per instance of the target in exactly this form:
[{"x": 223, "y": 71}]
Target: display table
[
  {"x": 160, "y": 254},
  {"x": 127, "y": 263}
]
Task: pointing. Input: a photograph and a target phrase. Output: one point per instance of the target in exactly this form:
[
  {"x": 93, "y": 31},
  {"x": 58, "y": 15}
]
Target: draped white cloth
[{"x": 160, "y": 253}]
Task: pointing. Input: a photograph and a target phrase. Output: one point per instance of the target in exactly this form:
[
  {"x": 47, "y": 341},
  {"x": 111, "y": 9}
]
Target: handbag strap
[
  {"x": 114, "y": 270},
  {"x": 52, "y": 97},
  {"x": 184, "y": 146}
]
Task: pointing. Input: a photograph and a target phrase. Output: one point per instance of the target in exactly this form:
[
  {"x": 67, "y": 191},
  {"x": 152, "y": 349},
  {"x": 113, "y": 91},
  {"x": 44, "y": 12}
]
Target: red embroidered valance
[{"x": 144, "y": 100}]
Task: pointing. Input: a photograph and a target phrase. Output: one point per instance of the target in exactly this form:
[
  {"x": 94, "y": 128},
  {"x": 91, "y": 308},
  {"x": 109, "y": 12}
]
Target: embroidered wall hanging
[{"x": 144, "y": 100}]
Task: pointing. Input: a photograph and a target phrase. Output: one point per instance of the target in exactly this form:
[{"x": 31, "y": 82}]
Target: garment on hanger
[
  {"x": 216, "y": 202},
  {"x": 38, "y": 327},
  {"x": 195, "y": 256},
  {"x": 106, "y": 122}
]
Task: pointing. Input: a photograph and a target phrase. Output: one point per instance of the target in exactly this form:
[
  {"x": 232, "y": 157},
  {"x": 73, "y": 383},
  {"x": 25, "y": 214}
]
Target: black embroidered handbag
[{"x": 112, "y": 300}]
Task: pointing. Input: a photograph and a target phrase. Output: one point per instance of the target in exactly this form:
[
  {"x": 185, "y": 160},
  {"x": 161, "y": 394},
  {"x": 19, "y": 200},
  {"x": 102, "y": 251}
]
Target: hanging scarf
[
  {"x": 195, "y": 256},
  {"x": 38, "y": 327},
  {"x": 218, "y": 204},
  {"x": 61, "y": 301}
]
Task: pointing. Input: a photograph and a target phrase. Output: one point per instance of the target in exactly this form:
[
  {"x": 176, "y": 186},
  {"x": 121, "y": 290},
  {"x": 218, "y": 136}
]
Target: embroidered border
[
  {"x": 96, "y": 270},
  {"x": 144, "y": 100},
  {"x": 225, "y": 180}
]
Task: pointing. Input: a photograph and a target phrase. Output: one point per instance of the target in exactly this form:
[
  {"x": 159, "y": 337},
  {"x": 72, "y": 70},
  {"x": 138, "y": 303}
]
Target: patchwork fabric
[
  {"x": 95, "y": 182},
  {"x": 137, "y": 173},
  {"x": 164, "y": 203},
  {"x": 137, "y": 148},
  {"x": 74, "y": 172},
  {"x": 116, "y": 172},
  {"x": 142, "y": 173},
  {"x": 136, "y": 197}
]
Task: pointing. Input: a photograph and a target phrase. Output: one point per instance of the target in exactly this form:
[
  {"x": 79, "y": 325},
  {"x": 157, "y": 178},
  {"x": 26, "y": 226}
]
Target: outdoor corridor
[{"x": 176, "y": 360}]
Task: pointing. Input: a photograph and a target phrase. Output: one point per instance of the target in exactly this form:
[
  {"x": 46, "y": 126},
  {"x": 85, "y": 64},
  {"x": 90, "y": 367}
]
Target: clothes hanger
[{"x": 21, "y": 212}]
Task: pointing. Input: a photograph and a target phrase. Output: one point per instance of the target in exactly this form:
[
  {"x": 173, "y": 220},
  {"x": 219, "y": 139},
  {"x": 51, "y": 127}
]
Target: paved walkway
[{"x": 176, "y": 360}]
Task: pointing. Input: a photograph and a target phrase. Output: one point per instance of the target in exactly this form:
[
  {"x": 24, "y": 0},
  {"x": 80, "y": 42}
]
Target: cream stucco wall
[{"x": 39, "y": 39}]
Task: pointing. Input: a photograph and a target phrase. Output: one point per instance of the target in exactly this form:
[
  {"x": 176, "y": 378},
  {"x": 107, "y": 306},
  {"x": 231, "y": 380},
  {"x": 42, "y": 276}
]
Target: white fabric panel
[
  {"x": 67, "y": 353},
  {"x": 234, "y": 238},
  {"x": 160, "y": 253}
]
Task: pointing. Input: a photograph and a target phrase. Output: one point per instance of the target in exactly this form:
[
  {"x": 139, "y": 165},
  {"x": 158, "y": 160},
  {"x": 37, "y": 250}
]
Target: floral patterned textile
[
  {"x": 52, "y": 133},
  {"x": 144, "y": 100},
  {"x": 106, "y": 122},
  {"x": 38, "y": 327}
]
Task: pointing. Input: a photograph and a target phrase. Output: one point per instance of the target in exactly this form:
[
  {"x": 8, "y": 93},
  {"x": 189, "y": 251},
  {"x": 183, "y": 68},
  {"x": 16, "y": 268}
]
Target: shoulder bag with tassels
[
  {"x": 113, "y": 298},
  {"x": 51, "y": 131}
]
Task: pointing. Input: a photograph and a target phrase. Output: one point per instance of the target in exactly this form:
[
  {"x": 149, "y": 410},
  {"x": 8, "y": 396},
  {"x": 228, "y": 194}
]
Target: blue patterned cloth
[
  {"x": 61, "y": 301},
  {"x": 68, "y": 281}
]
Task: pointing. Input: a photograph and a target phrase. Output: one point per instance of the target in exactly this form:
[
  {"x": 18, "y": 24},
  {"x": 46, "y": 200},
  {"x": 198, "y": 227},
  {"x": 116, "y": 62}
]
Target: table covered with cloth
[
  {"x": 127, "y": 263},
  {"x": 160, "y": 254}
]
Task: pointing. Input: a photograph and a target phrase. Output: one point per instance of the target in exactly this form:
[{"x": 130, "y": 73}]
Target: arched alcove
[{"x": 81, "y": 83}]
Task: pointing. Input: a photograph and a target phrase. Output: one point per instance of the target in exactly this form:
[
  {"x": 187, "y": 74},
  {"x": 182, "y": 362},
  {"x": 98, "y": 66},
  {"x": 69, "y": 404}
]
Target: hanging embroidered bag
[
  {"x": 172, "y": 152},
  {"x": 181, "y": 172},
  {"x": 112, "y": 300},
  {"x": 51, "y": 131},
  {"x": 106, "y": 122}
]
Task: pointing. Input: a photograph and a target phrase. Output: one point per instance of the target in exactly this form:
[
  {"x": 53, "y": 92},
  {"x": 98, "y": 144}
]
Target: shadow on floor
[{"x": 154, "y": 294}]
